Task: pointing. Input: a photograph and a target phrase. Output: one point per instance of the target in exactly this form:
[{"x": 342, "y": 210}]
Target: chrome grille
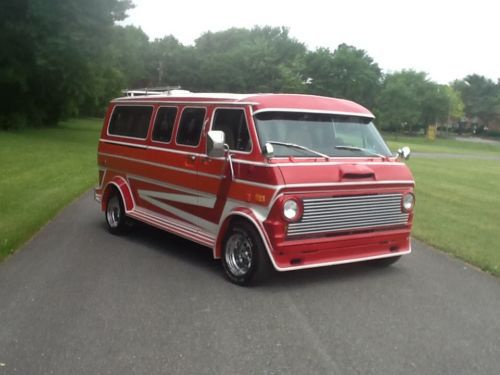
[{"x": 357, "y": 212}]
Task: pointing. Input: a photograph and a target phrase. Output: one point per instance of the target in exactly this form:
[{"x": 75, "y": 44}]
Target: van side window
[
  {"x": 130, "y": 121},
  {"x": 234, "y": 125},
  {"x": 164, "y": 124},
  {"x": 190, "y": 126}
]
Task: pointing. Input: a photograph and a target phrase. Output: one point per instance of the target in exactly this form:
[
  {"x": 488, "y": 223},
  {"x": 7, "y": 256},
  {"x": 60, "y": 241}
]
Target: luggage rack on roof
[{"x": 148, "y": 91}]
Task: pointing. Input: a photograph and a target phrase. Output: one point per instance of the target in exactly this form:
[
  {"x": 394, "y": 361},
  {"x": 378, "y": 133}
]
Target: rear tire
[
  {"x": 244, "y": 257},
  {"x": 115, "y": 214},
  {"x": 384, "y": 262}
]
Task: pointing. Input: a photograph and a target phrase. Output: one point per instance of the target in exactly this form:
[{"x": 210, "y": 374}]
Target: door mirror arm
[{"x": 229, "y": 158}]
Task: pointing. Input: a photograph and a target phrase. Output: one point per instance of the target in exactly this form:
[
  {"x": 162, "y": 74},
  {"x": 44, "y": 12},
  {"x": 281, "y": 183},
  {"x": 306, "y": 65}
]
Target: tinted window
[
  {"x": 130, "y": 121},
  {"x": 164, "y": 124},
  {"x": 190, "y": 126},
  {"x": 234, "y": 125}
]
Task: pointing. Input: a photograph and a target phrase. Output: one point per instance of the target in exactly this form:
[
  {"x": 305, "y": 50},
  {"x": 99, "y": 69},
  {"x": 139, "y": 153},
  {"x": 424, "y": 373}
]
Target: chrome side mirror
[
  {"x": 215, "y": 143},
  {"x": 268, "y": 150},
  {"x": 404, "y": 152}
]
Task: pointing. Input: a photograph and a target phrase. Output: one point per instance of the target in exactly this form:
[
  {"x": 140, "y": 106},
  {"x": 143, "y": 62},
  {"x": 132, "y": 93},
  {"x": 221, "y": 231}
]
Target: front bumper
[{"x": 317, "y": 252}]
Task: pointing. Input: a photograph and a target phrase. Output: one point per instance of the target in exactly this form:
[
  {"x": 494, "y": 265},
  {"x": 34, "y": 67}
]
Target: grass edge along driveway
[
  {"x": 43, "y": 170},
  {"x": 457, "y": 200}
]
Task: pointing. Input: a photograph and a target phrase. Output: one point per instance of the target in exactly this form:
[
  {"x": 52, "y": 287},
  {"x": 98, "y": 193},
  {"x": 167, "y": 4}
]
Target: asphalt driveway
[{"x": 77, "y": 300}]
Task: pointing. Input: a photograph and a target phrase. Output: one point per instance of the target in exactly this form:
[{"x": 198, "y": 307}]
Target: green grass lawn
[
  {"x": 440, "y": 145},
  {"x": 42, "y": 170},
  {"x": 458, "y": 200}
]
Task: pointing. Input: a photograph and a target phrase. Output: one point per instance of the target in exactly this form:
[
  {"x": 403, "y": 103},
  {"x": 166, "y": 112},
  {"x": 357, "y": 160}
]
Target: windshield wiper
[
  {"x": 298, "y": 147},
  {"x": 354, "y": 148}
]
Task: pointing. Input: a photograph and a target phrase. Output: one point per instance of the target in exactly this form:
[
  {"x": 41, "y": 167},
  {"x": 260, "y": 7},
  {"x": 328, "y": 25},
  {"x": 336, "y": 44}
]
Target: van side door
[{"x": 214, "y": 175}]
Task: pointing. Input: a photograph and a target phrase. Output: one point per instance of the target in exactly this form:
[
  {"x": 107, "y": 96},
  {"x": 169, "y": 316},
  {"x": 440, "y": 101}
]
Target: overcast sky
[{"x": 447, "y": 39}]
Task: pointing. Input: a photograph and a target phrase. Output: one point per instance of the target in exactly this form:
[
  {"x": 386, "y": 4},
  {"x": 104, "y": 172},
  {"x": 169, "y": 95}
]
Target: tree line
[{"x": 61, "y": 58}]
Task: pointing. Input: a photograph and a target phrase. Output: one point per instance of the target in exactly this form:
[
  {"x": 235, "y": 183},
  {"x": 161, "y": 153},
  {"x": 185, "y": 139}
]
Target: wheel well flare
[{"x": 121, "y": 186}]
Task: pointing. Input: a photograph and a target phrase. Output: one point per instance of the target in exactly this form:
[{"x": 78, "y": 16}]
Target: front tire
[
  {"x": 115, "y": 214},
  {"x": 244, "y": 257}
]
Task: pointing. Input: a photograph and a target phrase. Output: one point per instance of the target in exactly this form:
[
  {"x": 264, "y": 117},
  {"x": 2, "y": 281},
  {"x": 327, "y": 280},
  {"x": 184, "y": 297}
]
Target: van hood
[{"x": 352, "y": 171}]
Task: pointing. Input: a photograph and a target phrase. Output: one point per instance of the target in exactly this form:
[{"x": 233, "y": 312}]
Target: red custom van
[{"x": 265, "y": 180}]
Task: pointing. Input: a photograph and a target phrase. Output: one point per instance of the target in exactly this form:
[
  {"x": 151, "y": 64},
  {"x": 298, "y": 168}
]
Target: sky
[{"x": 447, "y": 39}]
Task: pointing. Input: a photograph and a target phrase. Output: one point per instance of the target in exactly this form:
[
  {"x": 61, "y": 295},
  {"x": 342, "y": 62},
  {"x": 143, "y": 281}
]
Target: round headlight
[
  {"x": 291, "y": 209},
  {"x": 408, "y": 202}
]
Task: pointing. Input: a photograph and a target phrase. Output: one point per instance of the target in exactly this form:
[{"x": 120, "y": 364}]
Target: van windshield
[{"x": 319, "y": 134}]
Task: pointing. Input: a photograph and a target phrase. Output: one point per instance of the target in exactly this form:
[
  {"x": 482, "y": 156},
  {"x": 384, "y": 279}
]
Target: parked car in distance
[{"x": 265, "y": 181}]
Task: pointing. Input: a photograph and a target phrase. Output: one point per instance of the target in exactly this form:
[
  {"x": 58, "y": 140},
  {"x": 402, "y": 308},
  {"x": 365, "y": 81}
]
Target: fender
[
  {"x": 247, "y": 214},
  {"x": 126, "y": 193}
]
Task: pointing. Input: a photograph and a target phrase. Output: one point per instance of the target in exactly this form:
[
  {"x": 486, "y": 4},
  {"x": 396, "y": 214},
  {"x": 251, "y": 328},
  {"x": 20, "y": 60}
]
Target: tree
[
  {"x": 131, "y": 52},
  {"x": 259, "y": 60},
  {"x": 409, "y": 100},
  {"x": 348, "y": 73},
  {"x": 481, "y": 97},
  {"x": 53, "y": 56},
  {"x": 172, "y": 64},
  {"x": 455, "y": 104}
]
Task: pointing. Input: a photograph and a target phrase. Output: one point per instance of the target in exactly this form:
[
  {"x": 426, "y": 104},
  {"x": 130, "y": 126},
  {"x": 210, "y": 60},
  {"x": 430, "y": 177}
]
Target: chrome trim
[
  {"x": 357, "y": 114},
  {"x": 177, "y": 102},
  {"x": 136, "y": 145},
  {"x": 324, "y": 184},
  {"x": 314, "y": 163},
  {"x": 174, "y": 226},
  {"x": 348, "y": 213}
]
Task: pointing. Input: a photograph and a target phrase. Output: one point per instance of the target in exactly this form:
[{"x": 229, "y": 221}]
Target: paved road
[
  {"x": 478, "y": 140},
  {"x": 77, "y": 300},
  {"x": 444, "y": 155}
]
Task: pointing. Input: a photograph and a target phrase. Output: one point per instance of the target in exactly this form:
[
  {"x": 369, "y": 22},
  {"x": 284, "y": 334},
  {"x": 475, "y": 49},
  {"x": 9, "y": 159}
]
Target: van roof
[{"x": 261, "y": 102}]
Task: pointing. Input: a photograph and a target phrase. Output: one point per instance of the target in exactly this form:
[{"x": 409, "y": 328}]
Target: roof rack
[{"x": 148, "y": 91}]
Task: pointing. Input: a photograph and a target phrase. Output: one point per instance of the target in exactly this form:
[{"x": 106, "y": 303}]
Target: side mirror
[
  {"x": 268, "y": 150},
  {"x": 404, "y": 152},
  {"x": 215, "y": 143}
]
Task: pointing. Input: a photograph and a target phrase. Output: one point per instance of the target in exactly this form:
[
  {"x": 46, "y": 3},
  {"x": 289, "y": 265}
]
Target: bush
[
  {"x": 13, "y": 121},
  {"x": 493, "y": 133}
]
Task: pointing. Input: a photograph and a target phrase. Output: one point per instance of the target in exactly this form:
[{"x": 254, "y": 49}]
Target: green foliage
[
  {"x": 53, "y": 56},
  {"x": 455, "y": 104},
  {"x": 130, "y": 51},
  {"x": 481, "y": 97},
  {"x": 172, "y": 64},
  {"x": 258, "y": 60},
  {"x": 409, "y": 101},
  {"x": 61, "y": 58},
  {"x": 346, "y": 73}
]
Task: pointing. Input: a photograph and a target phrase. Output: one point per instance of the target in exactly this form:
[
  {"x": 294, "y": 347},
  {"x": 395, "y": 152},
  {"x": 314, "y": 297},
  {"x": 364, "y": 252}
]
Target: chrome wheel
[
  {"x": 238, "y": 254},
  {"x": 114, "y": 212}
]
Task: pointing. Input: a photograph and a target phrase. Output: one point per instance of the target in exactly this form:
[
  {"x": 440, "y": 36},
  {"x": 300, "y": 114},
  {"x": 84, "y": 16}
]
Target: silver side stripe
[
  {"x": 181, "y": 228},
  {"x": 190, "y": 218},
  {"x": 166, "y": 185},
  {"x": 208, "y": 202}
]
